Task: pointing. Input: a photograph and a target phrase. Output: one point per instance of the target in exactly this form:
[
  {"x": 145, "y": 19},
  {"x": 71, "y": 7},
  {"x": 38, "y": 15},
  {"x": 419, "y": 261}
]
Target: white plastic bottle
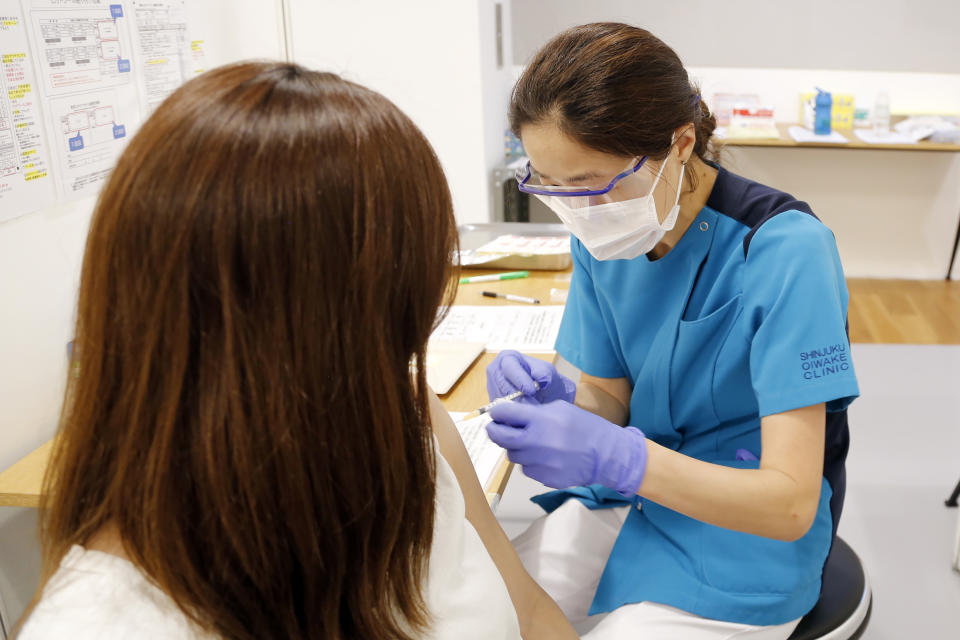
[{"x": 881, "y": 114}]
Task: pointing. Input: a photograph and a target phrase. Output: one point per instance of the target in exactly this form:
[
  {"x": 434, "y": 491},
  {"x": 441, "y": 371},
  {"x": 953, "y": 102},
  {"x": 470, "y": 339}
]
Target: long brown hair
[
  {"x": 263, "y": 266},
  {"x": 614, "y": 88}
]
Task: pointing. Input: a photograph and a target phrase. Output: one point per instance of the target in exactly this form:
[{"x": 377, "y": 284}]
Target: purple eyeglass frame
[{"x": 522, "y": 184}]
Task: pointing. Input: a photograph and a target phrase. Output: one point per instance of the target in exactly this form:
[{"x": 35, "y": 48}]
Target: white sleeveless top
[{"x": 99, "y": 595}]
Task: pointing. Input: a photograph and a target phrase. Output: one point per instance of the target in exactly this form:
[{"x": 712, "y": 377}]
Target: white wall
[
  {"x": 39, "y": 260},
  {"x": 894, "y": 213},
  {"x": 887, "y": 35},
  {"x": 40, "y": 256},
  {"x": 436, "y": 60}
]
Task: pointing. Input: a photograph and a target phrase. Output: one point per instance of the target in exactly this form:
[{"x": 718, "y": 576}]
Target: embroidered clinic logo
[{"x": 820, "y": 363}]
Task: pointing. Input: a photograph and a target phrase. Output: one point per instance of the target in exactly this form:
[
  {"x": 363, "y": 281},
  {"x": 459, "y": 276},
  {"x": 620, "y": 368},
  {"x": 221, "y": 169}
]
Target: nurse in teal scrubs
[{"x": 699, "y": 461}]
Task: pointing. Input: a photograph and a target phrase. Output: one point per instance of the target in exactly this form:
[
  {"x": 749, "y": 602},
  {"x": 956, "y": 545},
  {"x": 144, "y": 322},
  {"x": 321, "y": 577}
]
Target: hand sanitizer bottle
[{"x": 881, "y": 114}]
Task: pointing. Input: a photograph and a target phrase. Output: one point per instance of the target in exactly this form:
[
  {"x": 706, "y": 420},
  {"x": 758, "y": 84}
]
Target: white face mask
[{"x": 618, "y": 230}]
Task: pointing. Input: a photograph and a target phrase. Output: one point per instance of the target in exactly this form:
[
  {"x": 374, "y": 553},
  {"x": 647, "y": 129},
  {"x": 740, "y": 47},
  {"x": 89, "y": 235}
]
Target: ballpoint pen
[{"x": 509, "y": 296}]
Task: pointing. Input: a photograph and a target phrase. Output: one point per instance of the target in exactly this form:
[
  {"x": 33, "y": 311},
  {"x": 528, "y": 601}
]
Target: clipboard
[{"x": 447, "y": 360}]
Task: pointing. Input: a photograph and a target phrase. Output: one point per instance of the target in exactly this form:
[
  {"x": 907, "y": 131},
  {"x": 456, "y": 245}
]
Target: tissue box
[{"x": 752, "y": 122}]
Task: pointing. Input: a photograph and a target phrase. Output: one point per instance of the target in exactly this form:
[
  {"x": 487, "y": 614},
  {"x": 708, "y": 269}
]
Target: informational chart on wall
[
  {"x": 78, "y": 78},
  {"x": 84, "y": 56},
  {"x": 168, "y": 57},
  {"x": 26, "y": 181}
]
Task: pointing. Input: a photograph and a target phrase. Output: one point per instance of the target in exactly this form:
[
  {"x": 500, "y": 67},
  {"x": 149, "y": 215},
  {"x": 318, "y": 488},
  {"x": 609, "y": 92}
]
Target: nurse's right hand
[{"x": 512, "y": 371}]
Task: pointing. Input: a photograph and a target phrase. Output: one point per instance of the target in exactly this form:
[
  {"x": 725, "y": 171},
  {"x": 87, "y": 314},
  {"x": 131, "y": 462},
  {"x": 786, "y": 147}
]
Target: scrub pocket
[
  {"x": 734, "y": 398},
  {"x": 695, "y": 359}
]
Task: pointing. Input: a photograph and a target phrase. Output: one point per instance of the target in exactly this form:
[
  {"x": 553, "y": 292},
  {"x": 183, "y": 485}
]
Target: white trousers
[{"x": 566, "y": 551}]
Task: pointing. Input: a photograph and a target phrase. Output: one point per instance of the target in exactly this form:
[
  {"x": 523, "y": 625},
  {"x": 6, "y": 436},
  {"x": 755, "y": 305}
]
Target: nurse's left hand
[{"x": 562, "y": 445}]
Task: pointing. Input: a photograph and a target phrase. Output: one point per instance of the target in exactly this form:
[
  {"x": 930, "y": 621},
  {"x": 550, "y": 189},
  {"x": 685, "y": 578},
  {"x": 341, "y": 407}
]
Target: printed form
[
  {"x": 26, "y": 181},
  {"x": 485, "y": 455},
  {"x": 167, "y": 57},
  {"x": 84, "y": 54},
  {"x": 526, "y": 329}
]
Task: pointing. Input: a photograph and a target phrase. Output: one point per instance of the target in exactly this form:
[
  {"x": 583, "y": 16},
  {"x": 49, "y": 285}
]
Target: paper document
[
  {"x": 26, "y": 179},
  {"x": 163, "y": 48},
  {"x": 81, "y": 45},
  {"x": 802, "y": 134},
  {"x": 521, "y": 252},
  {"x": 526, "y": 329},
  {"x": 892, "y": 137},
  {"x": 527, "y": 245},
  {"x": 84, "y": 54},
  {"x": 484, "y": 454}
]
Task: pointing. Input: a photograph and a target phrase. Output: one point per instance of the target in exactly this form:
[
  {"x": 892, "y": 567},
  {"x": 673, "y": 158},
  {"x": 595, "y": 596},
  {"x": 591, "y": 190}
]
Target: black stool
[{"x": 845, "y": 603}]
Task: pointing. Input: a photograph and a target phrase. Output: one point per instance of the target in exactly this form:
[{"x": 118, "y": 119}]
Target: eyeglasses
[
  {"x": 529, "y": 181},
  {"x": 627, "y": 185}
]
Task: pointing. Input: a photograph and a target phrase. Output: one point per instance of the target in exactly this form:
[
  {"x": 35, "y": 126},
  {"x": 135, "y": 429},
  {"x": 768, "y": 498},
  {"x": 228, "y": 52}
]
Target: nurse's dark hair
[
  {"x": 614, "y": 88},
  {"x": 264, "y": 265}
]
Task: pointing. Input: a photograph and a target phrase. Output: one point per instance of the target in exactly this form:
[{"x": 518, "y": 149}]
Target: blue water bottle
[{"x": 821, "y": 113}]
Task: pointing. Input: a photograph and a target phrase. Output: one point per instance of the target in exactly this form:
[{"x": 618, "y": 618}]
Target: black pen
[{"x": 510, "y": 296}]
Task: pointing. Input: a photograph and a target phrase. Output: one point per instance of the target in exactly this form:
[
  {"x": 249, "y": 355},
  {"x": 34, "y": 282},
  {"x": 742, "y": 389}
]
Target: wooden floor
[{"x": 904, "y": 311}]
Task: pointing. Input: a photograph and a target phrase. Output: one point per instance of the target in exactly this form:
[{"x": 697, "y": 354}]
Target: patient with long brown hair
[{"x": 244, "y": 452}]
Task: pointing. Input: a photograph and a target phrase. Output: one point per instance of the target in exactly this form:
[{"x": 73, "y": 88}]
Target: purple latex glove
[
  {"x": 512, "y": 371},
  {"x": 562, "y": 445}
]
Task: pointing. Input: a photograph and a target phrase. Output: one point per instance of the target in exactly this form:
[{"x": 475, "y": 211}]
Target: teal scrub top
[{"x": 745, "y": 317}]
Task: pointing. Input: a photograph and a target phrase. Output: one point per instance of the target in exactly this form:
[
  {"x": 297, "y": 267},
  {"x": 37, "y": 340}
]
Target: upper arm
[
  {"x": 455, "y": 453},
  {"x": 795, "y": 298},
  {"x": 539, "y": 616},
  {"x": 478, "y": 512}
]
